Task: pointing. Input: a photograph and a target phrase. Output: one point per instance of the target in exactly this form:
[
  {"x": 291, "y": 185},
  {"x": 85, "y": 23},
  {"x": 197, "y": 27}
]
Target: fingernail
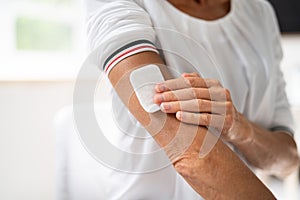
[
  {"x": 165, "y": 106},
  {"x": 179, "y": 115},
  {"x": 161, "y": 87},
  {"x": 159, "y": 98}
]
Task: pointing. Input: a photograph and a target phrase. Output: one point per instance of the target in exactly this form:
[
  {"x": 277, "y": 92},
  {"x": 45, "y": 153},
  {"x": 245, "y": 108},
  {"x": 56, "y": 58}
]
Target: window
[
  {"x": 41, "y": 39},
  {"x": 42, "y": 35}
]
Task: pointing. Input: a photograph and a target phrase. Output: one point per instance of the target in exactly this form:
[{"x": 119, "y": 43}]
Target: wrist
[{"x": 243, "y": 131}]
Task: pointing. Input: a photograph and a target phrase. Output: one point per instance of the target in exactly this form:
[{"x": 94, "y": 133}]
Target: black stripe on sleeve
[
  {"x": 282, "y": 128},
  {"x": 127, "y": 46}
]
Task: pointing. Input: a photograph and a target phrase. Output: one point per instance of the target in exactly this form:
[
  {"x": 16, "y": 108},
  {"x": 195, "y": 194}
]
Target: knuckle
[
  {"x": 205, "y": 119},
  {"x": 227, "y": 94},
  {"x": 214, "y": 82},
  {"x": 168, "y": 96},
  {"x": 195, "y": 74},
  {"x": 228, "y": 106},
  {"x": 209, "y": 82},
  {"x": 222, "y": 94},
  {"x": 199, "y": 103},
  {"x": 187, "y": 81},
  {"x": 213, "y": 94},
  {"x": 195, "y": 92},
  {"x": 191, "y": 93},
  {"x": 190, "y": 81},
  {"x": 186, "y": 170},
  {"x": 165, "y": 96},
  {"x": 173, "y": 95},
  {"x": 194, "y": 117},
  {"x": 229, "y": 120}
]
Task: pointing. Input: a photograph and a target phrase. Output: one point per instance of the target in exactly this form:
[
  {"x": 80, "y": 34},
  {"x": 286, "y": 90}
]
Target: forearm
[
  {"x": 219, "y": 175},
  {"x": 273, "y": 152}
]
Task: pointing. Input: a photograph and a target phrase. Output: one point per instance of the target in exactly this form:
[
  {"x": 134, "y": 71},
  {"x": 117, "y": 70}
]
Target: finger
[
  {"x": 181, "y": 83},
  {"x": 182, "y": 94},
  {"x": 187, "y": 82},
  {"x": 194, "y": 74},
  {"x": 196, "y": 81},
  {"x": 214, "y": 94},
  {"x": 170, "y": 85},
  {"x": 196, "y": 106},
  {"x": 219, "y": 93},
  {"x": 213, "y": 83},
  {"x": 218, "y": 122}
]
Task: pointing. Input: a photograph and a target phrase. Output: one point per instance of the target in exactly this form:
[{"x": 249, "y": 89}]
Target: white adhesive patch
[{"x": 143, "y": 81}]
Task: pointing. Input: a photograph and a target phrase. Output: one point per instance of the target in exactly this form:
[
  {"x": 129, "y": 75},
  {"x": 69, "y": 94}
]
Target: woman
[{"x": 233, "y": 43}]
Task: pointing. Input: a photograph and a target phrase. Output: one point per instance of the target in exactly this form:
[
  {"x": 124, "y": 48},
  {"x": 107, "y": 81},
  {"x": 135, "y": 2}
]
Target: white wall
[{"x": 27, "y": 139}]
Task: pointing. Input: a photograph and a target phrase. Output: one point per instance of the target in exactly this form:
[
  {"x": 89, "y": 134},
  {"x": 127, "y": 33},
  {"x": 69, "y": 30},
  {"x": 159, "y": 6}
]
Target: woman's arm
[
  {"x": 206, "y": 103},
  {"x": 274, "y": 152},
  {"x": 219, "y": 175}
]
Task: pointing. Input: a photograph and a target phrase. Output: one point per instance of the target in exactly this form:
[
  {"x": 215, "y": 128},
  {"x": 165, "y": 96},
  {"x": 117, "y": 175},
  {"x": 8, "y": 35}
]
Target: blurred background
[
  {"x": 42, "y": 46},
  {"x": 41, "y": 49}
]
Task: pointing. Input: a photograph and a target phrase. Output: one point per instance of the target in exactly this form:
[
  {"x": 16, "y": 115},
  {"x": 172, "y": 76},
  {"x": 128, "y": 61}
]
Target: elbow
[
  {"x": 288, "y": 166},
  {"x": 293, "y": 166},
  {"x": 293, "y": 163},
  {"x": 288, "y": 162},
  {"x": 296, "y": 163}
]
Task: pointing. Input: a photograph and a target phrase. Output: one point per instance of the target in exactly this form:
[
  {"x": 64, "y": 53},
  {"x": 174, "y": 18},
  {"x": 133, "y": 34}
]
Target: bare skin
[
  {"x": 203, "y": 9},
  {"x": 220, "y": 174},
  {"x": 205, "y": 102}
]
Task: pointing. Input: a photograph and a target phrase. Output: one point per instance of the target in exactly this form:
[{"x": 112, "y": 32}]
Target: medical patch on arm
[{"x": 143, "y": 81}]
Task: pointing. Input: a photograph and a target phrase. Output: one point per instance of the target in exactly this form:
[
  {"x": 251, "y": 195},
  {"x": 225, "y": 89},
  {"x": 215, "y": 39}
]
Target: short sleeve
[
  {"x": 282, "y": 119},
  {"x": 118, "y": 29}
]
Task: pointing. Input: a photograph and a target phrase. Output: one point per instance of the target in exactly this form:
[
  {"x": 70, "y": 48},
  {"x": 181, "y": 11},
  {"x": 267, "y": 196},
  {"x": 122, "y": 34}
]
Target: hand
[{"x": 203, "y": 102}]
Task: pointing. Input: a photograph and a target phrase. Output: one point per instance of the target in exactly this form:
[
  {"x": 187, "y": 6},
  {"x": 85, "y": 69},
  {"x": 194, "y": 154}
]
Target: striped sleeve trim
[
  {"x": 126, "y": 51},
  {"x": 283, "y": 128}
]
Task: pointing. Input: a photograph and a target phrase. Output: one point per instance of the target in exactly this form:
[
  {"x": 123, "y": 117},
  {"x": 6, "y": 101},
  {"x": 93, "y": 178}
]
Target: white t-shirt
[{"x": 242, "y": 50}]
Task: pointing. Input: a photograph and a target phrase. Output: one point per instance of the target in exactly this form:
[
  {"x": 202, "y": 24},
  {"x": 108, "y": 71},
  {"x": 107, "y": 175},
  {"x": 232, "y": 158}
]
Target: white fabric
[
  {"x": 143, "y": 81},
  {"x": 242, "y": 50}
]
